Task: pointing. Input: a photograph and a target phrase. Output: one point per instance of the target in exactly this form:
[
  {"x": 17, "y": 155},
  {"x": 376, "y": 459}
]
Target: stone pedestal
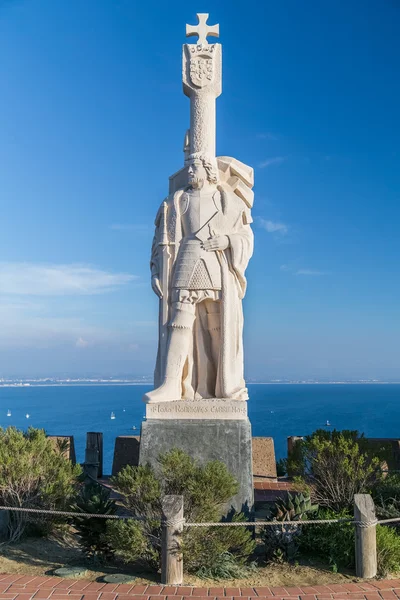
[{"x": 205, "y": 439}]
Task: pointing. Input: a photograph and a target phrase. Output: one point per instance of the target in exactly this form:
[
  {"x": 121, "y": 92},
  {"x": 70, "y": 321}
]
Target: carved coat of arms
[{"x": 201, "y": 70}]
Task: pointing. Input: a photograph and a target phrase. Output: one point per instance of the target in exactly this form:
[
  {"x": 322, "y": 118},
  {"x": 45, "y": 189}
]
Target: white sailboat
[
  {"x": 27, "y": 415},
  {"x": 9, "y": 413},
  {"x": 112, "y": 416}
]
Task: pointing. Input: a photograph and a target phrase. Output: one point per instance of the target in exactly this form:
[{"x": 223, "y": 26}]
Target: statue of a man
[{"x": 210, "y": 242}]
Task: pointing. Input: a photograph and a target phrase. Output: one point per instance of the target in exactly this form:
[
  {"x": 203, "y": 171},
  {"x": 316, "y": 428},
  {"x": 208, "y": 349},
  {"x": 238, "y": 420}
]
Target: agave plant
[
  {"x": 294, "y": 508},
  {"x": 94, "y": 499},
  {"x": 281, "y": 539}
]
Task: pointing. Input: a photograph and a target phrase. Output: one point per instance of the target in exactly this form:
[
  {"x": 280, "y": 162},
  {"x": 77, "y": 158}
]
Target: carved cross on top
[{"x": 202, "y": 29}]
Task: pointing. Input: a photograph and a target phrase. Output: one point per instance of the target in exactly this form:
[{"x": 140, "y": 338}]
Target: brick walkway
[{"x": 25, "y": 587}]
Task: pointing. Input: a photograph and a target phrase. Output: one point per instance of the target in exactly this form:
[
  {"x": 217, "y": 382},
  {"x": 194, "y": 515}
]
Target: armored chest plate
[{"x": 195, "y": 268}]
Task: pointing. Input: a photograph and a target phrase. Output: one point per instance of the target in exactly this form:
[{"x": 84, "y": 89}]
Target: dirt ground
[{"x": 40, "y": 556}]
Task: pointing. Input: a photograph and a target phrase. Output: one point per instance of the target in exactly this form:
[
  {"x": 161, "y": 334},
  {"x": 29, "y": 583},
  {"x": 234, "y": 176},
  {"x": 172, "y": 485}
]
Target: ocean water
[{"x": 276, "y": 410}]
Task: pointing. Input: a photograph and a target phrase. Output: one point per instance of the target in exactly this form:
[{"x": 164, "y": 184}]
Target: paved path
[{"x": 25, "y": 587}]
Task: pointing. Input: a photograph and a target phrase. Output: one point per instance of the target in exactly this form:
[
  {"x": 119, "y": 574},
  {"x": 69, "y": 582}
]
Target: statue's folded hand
[
  {"x": 218, "y": 242},
  {"x": 155, "y": 284}
]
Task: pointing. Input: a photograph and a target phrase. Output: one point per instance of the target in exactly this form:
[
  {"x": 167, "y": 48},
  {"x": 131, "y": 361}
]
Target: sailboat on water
[
  {"x": 9, "y": 413},
  {"x": 112, "y": 416}
]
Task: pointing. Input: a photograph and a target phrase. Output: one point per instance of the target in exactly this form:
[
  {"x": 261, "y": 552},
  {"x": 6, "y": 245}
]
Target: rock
[
  {"x": 71, "y": 572},
  {"x": 119, "y": 578}
]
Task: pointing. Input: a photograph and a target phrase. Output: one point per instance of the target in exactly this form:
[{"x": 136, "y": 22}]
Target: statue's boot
[{"x": 178, "y": 348}]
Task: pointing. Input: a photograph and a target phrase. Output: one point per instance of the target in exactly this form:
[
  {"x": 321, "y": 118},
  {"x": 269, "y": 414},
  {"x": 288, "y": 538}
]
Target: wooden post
[
  {"x": 172, "y": 528},
  {"x": 94, "y": 439},
  {"x": 365, "y": 544},
  {"x": 91, "y": 464},
  {"x": 4, "y": 522}
]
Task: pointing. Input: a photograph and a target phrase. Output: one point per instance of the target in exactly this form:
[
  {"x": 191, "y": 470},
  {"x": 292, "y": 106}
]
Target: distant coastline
[{"x": 33, "y": 384}]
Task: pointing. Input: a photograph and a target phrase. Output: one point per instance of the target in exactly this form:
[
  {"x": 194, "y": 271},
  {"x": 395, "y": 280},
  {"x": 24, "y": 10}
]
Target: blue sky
[{"x": 92, "y": 119}]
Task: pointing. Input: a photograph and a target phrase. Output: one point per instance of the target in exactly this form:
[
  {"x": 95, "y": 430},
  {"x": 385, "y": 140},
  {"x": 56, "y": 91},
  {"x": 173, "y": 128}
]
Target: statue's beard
[{"x": 196, "y": 183}]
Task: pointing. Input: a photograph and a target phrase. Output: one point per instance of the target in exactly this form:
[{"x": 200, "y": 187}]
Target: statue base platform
[
  {"x": 205, "y": 439},
  {"x": 206, "y": 408}
]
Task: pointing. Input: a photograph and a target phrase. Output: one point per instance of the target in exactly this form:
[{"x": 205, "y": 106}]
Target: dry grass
[{"x": 40, "y": 556}]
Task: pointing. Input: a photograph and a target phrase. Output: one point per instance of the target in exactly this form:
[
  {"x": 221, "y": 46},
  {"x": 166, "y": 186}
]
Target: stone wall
[
  {"x": 264, "y": 465},
  {"x": 126, "y": 452},
  {"x": 264, "y": 462}
]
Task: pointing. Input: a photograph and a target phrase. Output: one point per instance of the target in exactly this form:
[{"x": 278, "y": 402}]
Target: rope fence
[
  {"x": 64, "y": 513},
  {"x": 171, "y": 523}
]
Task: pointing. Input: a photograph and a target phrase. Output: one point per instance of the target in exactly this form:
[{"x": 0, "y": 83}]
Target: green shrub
[
  {"x": 226, "y": 566},
  {"x": 388, "y": 550},
  {"x": 336, "y": 465},
  {"x": 206, "y": 491},
  {"x": 386, "y": 495},
  {"x": 33, "y": 474},
  {"x": 133, "y": 542},
  {"x": 203, "y": 546},
  {"x": 94, "y": 499},
  {"x": 387, "y": 489},
  {"x": 333, "y": 543},
  {"x": 281, "y": 467}
]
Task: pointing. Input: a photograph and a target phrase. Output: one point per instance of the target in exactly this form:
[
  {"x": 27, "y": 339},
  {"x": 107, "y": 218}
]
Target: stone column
[{"x": 201, "y": 75}]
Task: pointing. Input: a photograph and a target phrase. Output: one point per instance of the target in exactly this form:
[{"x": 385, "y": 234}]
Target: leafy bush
[
  {"x": 388, "y": 550},
  {"x": 388, "y": 488},
  {"x": 337, "y": 465},
  {"x": 281, "y": 467},
  {"x": 203, "y": 546},
  {"x": 206, "y": 490},
  {"x": 333, "y": 543},
  {"x": 281, "y": 541},
  {"x": 386, "y": 495},
  {"x": 226, "y": 566},
  {"x": 33, "y": 474},
  {"x": 94, "y": 499},
  {"x": 134, "y": 542}
]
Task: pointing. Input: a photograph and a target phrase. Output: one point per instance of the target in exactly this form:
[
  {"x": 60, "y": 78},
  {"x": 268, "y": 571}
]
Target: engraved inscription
[{"x": 197, "y": 409}]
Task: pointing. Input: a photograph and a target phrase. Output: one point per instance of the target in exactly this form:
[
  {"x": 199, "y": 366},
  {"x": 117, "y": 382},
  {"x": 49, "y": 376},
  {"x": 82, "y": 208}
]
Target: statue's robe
[{"x": 232, "y": 218}]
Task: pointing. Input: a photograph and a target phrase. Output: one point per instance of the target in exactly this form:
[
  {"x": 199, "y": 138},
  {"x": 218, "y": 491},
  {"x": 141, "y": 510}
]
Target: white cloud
[
  {"x": 81, "y": 343},
  {"x": 55, "y": 280},
  {"x": 284, "y": 268},
  {"x": 268, "y": 162},
  {"x": 27, "y": 328},
  {"x": 273, "y": 226},
  {"x": 309, "y": 272}
]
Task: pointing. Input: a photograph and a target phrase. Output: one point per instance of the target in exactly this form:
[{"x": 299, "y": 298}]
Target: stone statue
[{"x": 201, "y": 248}]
